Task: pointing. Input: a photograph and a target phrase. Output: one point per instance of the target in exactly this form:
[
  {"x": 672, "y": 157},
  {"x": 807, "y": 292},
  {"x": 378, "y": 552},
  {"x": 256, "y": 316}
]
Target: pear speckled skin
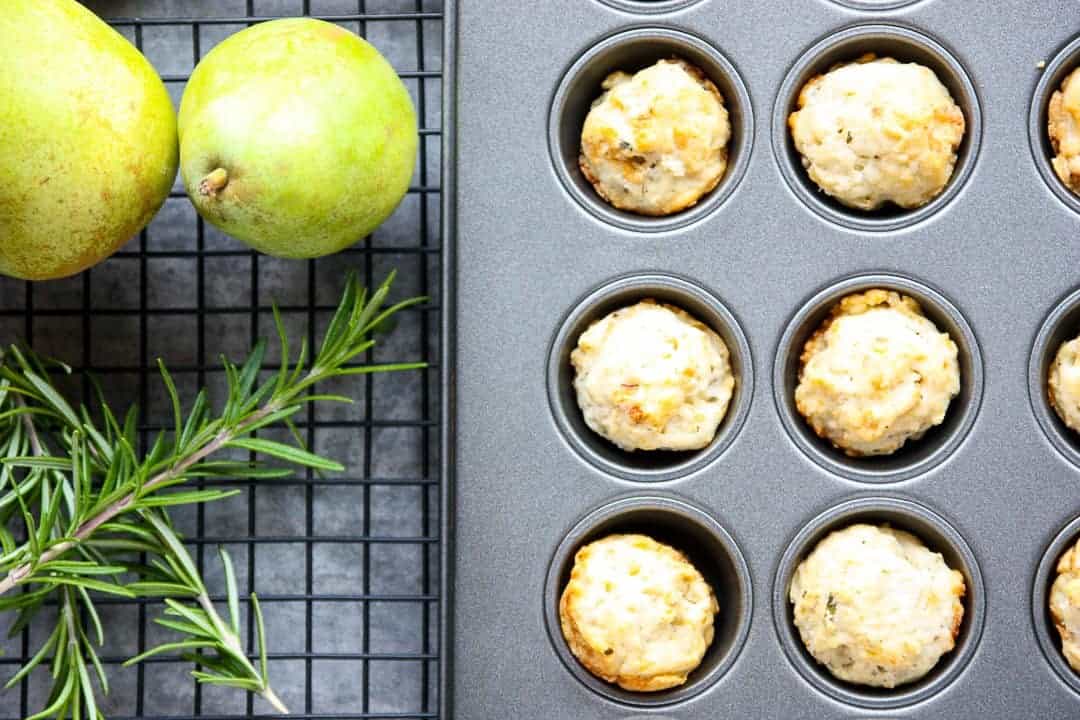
[
  {"x": 297, "y": 137},
  {"x": 88, "y": 145}
]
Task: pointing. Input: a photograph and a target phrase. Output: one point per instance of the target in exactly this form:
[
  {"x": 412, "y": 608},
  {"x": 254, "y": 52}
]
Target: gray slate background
[{"x": 388, "y": 439}]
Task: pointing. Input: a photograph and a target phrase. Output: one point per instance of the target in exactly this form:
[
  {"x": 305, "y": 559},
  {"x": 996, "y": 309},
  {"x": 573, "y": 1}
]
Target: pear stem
[{"x": 214, "y": 183}]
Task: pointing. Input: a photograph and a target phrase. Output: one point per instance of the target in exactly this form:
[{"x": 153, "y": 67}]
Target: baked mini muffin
[
  {"x": 656, "y": 141},
  {"x": 1065, "y": 604},
  {"x": 1064, "y": 128},
  {"x": 877, "y": 131},
  {"x": 651, "y": 377},
  {"x": 876, "y": 374},
  {"x": 637, "y": 613},
  {"x": 1064, "y": 383},
  {"x": 875, "y": 606}
]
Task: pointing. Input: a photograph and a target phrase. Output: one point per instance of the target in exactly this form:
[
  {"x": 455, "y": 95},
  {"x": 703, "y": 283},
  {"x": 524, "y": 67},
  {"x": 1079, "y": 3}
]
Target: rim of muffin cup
[
  {"x": 1045, "y": 632},
  {"x": 871, "y": 5},
  {"x": 630, "y": 51},
  {"x": 646, "y": 465},
  {"x": 649, "y": 7},
  {"x": 915, "y": 457},
  {"x": 905, "y": 44},
  {"x": 939, "y": 536},
  {"x": 691, "y": 530},
  {"x": 1061, "y": 325},
  {"x": 1064, "y": 62}
]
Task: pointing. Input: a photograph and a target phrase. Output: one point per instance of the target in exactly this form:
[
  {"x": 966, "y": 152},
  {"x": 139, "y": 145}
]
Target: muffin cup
[
  {"x": 879, "y": 5},
  {"x": 1064, "y": 62},
  {"x": 648, "y": 7},
  {"x": 905, "y": 45},
  {"x": 939, "y": 536},
  {"x": 631, "y": 51},
  {"x": 709, "y": 548},
  {"x": 646, "y": 465},
  {"x": 916, "y": 456},
  {"x": 1062, "y": 325},
  {"x": 1045, "y": 632}
]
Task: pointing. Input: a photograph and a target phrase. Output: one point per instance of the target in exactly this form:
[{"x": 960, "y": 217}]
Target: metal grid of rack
[{"x": 348, "y": 568}]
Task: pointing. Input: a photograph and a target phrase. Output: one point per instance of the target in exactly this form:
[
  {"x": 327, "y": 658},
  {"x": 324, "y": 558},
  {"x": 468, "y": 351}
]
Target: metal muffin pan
[{"x": 760, "y": 259}]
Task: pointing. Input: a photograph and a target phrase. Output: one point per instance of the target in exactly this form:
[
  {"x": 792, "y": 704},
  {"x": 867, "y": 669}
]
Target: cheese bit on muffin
[
  {"x": 651, "y": 377},
  {"x": 877, "y": 131},
  {"x": 637, "y": 613},
  {"x": 1064, "y": 128},
  {"x": 656, "y": 141},
  {"x": 1065, "y": 604},
  {"x": 875, "y": 606},
  {"x": 876, "y": 374}
]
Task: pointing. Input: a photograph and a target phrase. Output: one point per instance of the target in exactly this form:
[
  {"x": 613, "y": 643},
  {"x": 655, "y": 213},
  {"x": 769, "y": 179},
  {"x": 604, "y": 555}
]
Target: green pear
[
  {"x": 297, "y": 137},
  {"x": 88, "y": 146}
]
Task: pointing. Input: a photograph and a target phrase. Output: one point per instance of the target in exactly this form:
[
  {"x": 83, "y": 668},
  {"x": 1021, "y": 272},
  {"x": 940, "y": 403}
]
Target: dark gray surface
[
  {"x": 397, "y": 480},
  {"x": 1003, "y": 251}
]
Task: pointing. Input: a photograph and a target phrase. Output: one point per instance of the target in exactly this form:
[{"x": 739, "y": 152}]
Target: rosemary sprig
[
  {"x": 203, "y": 627},
  {"x": 71, "y": 651},
  {"x": 79, "y": 504},
  {"x": 129, "y": 483}
]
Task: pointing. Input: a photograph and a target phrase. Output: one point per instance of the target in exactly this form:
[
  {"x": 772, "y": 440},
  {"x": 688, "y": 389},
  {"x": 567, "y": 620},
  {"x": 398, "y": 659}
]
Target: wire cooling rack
[{"x": 348, "y": 568}]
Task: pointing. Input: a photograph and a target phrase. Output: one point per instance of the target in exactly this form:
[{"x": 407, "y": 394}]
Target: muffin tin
[{"x": 996, "y": 488}]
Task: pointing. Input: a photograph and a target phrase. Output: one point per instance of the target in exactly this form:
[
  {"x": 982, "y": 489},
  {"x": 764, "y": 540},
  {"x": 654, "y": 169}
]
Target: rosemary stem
[
  {"x": 87, "y": 528},
  {"x": 271, "y": 697},
  {"x": 31, "y": 431},
  {"x": 232, "y": 642},
  {"x": 69, "y": 620}
]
